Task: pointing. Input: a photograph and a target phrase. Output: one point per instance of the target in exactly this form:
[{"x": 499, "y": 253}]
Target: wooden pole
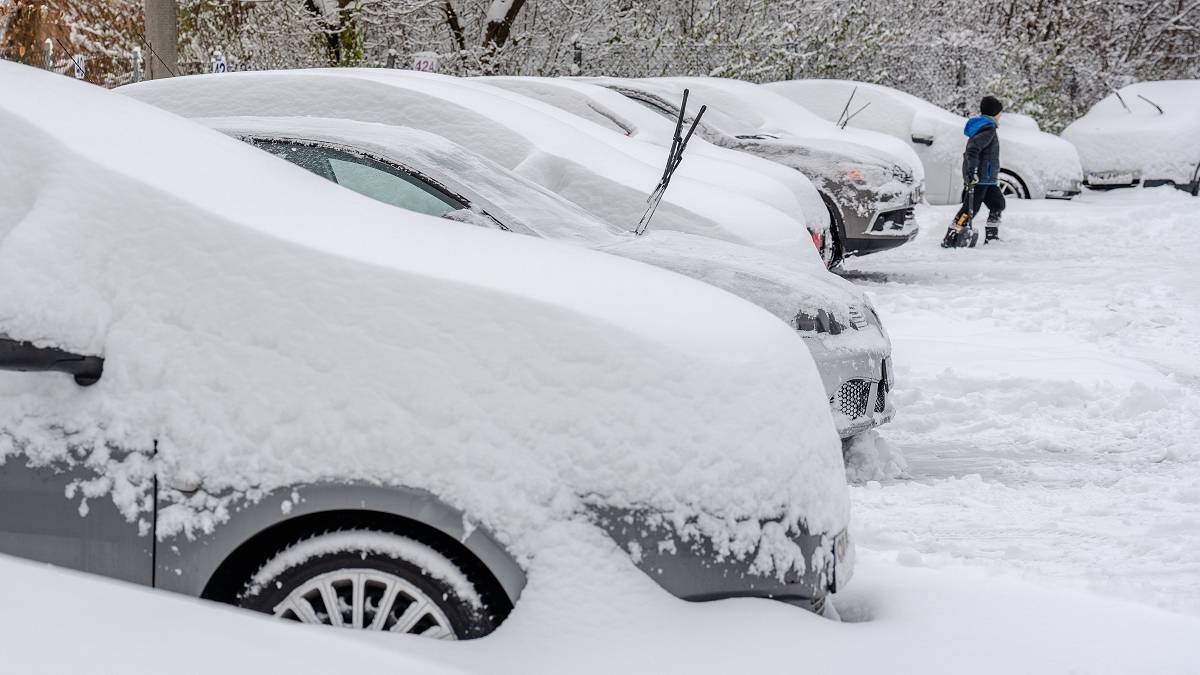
[{"x": 162, "y": 32}]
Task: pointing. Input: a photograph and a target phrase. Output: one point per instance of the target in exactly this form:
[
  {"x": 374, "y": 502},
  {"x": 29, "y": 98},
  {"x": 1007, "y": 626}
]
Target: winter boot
[{"x": 992, "y": 229}]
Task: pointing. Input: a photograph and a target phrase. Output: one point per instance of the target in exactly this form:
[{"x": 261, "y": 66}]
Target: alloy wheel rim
[
  {"x": 366, "y": 599},
  {"x": 1009, "y": 189}
]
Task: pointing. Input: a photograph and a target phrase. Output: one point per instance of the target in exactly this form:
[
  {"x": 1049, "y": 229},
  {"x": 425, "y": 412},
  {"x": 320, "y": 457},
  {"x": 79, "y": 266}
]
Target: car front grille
[
  {"x": 858, "y": 320},
  {"x": 852, "y": 397}
]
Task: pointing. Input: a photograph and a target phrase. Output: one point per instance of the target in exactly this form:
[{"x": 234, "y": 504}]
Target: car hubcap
[
  {"x": 366, "y": 599},
  {"x": 1008, "y": 189}
]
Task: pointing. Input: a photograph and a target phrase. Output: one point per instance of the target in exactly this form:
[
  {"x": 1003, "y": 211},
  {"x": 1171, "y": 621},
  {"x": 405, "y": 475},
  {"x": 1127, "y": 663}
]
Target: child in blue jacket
[{"x": 981, "y": 166}]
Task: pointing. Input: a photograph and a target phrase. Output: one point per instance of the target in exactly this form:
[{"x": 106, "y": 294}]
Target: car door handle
[{"x": 27, "y": 357}]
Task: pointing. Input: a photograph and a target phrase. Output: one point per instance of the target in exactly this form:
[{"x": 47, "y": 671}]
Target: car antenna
[
  {"x": 1156, "y": 106},
  {"x": 846, "y": 108},
  {"x": 1122, "y": 100},
  {"x": 679, "y": 143},
  {"x": 847, "y": 120}
]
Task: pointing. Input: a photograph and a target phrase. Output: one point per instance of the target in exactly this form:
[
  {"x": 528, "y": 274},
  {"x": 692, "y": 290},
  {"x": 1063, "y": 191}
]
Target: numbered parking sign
[
  {"x": 426, "y": 62},
  {"x": 218, "y": 64},
  {"x": 80, "y": 72}
]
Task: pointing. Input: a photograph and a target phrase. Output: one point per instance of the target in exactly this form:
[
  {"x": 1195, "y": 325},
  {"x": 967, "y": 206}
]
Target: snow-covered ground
[
  {"x": 1049, "y": 397},
  {"x": 1035, "y": 507}
]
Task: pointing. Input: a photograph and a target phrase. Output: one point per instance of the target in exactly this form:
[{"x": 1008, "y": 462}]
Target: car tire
[
  {"x": 1011, "y": 186},
  {"x": 833, "y": 253},
  {"x": 376, "y": 581}
]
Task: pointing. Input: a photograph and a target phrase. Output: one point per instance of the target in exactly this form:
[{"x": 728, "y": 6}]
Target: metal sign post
[
  {"x": 48, "y": 49},
  {"x": 137, "y": 64}
]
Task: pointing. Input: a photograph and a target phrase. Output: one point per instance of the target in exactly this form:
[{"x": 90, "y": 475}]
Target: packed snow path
[{"x": 1049, "y": 399}]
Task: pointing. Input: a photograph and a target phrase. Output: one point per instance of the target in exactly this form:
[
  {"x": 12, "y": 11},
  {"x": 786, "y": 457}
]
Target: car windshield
[{"x": 366, "y": 176}]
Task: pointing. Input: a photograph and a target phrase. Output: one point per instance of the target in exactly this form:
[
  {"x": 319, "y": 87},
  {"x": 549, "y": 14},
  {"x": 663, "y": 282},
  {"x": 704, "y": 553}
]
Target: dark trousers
[{"x": 985, "y": 195}]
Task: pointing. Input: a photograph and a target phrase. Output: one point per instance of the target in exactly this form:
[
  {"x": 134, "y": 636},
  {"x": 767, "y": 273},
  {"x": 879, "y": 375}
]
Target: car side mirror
[
  {"x": 27, "y": 357},
  {"x": 923, "y": 140}
]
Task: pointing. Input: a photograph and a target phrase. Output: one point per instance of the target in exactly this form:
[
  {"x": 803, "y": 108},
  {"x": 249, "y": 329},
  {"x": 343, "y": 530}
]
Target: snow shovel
[{"x": 961, "y": 232}]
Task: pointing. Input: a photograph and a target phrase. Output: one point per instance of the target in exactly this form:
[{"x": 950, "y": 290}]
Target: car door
[{"x": 44, "y": 513}]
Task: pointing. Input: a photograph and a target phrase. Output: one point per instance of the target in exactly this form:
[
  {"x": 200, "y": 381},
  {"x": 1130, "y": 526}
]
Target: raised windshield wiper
[
  {"x": 846, "y": 108},
  {"x": 674, "y": 157},
  {"x": 1156, "y": 106},
  {"x": 1122, "y": 100},
  {"x": 847, "y": 120}
]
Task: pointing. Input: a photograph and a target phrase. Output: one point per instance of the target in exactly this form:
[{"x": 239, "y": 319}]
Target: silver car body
[
  {"x": 848, "y": 343},
  {"x": 258, "y": 355},
  {"x": 1039, "y": 164}
]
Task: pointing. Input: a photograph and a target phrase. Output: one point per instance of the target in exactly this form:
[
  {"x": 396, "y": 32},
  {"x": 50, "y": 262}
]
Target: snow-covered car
[
  {"x": 239, "y": 381},
  {"x": 723, "y": 166},
  {"x": 869, "y": 182},
  {"x": 426, "y": 173},
  {"x": 1145, "y": 134},
  {"x": 1036, "y": 164},
  {"x": 605, "y": 172}
]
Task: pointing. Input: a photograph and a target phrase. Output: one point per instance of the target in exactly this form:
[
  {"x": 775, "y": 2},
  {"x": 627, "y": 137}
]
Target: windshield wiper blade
[
  {"x": 1122, "y": 100},
  {"x": 843, "y": 124},
  {"x": 1156, "y": 106},
  {"x": 845, "y": 108}
]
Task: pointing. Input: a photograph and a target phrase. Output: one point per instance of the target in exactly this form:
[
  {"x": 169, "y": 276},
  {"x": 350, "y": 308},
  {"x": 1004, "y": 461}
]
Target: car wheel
[
  {"x": 370, "y": 580},
  {"x": 830, "y": 248},
  {"x": 1011, "y": 186}
]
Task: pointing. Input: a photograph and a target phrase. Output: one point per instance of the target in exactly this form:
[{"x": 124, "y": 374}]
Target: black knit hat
[{"x": 990, "y": 106}]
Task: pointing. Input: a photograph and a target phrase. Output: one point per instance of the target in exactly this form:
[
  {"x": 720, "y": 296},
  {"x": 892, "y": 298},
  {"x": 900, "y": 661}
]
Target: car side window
[
  {"x": 367, "y": 176},
  {"x": 304, "y": 156}
]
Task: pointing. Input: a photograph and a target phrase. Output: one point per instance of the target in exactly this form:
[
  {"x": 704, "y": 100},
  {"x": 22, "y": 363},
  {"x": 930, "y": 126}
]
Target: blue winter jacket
[{"x": 983, "y": 150}]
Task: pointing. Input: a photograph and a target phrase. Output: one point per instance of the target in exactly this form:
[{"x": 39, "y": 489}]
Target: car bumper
[
  {"x": 1062, "y": 194},
  {"x": 692, "y": 569},
  {"x": 879, "y": 231},
  {"x": 856, "y": 373}
]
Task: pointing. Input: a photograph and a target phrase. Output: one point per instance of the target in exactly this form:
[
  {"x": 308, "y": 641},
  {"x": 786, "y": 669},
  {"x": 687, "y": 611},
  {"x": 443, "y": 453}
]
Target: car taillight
[{"x": 818, "y": 241}]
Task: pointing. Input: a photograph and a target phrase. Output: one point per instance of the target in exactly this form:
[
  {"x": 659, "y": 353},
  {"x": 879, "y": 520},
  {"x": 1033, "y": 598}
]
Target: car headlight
[{"x": 854, "y": 174}]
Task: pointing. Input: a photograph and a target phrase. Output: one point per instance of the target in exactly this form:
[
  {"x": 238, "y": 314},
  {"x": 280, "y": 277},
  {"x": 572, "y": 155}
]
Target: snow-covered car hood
[
  {"x": 744, "y": 110},
  {"x": 535, "y": 140},
  {"x": 263, "y": 327},
  {"x": 789, "y": 191},
  {"x": 782, "y": 285},
  {"x": 766, "y": 279},
  {"x": 1140, "y": 141}
]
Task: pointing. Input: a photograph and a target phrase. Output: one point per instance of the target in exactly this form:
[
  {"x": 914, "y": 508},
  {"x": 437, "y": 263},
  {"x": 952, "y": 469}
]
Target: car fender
[{"x": 187, "y": 564}]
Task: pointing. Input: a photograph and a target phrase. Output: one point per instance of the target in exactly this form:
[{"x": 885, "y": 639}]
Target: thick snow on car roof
[
  {"x": 763, "y": 179},
  {"x": 263, "y": 328},
  {"x": 1139, "y": 139},
  {"x": 520, "y": 202},
  {"x": 833, "y": 94},
  {"x": 536, "y": 140},
  {"x": 783, "y": 285}
]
